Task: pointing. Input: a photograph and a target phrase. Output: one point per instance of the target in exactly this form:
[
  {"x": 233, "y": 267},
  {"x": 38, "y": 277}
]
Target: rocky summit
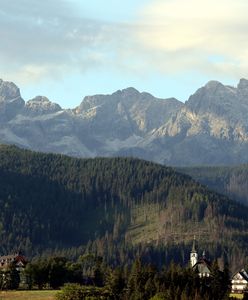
[{"x": 210, "y": 128}]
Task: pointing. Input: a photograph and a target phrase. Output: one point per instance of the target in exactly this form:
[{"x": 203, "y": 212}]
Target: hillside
[
  {"x": 114, "y": 207},
  {"x": 230, "y": 181},
  {"x": 209, "y": 129}
]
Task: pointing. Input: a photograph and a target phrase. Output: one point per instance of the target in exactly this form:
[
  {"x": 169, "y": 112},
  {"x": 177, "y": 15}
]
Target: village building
[
  {"x": 201, "y": 265},
  {"x": 17, "y": 259},
  {"x": 240, "y": 282}
]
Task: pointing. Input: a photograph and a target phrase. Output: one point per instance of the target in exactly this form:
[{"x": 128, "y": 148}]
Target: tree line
[{"x": 89, "y": 276}]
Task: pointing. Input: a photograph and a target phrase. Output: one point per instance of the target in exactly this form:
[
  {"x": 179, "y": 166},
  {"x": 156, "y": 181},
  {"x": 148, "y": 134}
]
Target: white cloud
[
  {"x": 187, "y": 34},
  {"x": 49, "y": 39},
  {"x": 46, "y": 38}
]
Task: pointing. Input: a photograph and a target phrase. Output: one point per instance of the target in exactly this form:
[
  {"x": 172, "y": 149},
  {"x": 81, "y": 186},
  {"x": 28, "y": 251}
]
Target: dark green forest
[
  {"x": 231, "y": 181},
  {"x": 116, "y": 208},
  {"x": 90, "y": 277}
]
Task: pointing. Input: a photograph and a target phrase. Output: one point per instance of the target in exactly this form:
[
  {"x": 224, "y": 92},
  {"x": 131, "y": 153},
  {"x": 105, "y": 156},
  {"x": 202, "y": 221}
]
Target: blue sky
[{"x": 67, "y": 49}]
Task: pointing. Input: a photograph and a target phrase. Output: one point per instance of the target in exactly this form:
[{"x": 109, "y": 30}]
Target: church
[{"x": 200, "y": 265}]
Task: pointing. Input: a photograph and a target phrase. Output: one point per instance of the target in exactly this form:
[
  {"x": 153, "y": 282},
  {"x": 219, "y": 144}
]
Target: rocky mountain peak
[
  {"x": 40, "y": 99},
  {"x": 11, "y": 102},
  {"x": 89, "y": 102},
  {"x": 213, "y": 85},
  {"x": 41, "y": 105},
  {"x": 214, "y": 97},
  {"x": 243, "y": 84},
  {"x": 126, "y": 93},
  {"x": 243, "y": 90},
  {"x": 8, "y": 91}
]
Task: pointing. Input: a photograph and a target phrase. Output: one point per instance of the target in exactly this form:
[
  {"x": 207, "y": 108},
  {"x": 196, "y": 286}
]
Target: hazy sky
[{"x": 66, "y": 49}]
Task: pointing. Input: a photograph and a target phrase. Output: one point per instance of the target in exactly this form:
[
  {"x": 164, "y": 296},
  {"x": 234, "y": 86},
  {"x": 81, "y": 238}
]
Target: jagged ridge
[{"x": 210, "y": 128}]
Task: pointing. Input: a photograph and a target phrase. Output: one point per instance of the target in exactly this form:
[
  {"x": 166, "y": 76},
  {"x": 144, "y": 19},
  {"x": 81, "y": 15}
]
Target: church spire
[
  {"x": 193, "y": 254},
  {"x": 193, "y": 246}
]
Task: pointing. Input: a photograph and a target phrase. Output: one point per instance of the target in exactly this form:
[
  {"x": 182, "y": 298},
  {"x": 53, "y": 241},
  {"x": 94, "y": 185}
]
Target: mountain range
[{"x": 211, "y": 128}]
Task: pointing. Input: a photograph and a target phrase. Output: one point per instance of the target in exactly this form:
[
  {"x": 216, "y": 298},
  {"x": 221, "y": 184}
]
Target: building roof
[
  {"x": 243, "y": 273},
  {"x": 202, "y": 266},
  {"x": 5, "y": 260}
]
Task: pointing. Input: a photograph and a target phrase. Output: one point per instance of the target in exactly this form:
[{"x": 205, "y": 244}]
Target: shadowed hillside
[
  {"x": 114, "y": 207},
  {"x": 230, "y": 181}
]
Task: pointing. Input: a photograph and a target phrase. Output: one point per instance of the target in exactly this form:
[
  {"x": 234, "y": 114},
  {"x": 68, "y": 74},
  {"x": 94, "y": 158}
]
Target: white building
[
  {"x": 201, "y": 265},
  {"x": 239, "y": 282},
  {"x": 193, "y": 255}
]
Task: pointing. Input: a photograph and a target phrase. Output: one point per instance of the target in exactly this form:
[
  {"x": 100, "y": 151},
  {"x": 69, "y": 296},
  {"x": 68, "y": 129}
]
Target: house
[
  {"x": 17, "y": 259},
  {"x": 239, "y": 282},
  {"x": 201, "y": 265}
]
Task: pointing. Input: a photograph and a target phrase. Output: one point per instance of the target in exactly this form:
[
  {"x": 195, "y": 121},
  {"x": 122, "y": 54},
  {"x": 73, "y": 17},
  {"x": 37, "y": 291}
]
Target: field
[
  {"x": 28, "y": 295},
  {"x": 237, "y": 296},
  {"x": 47, "y": 295}
]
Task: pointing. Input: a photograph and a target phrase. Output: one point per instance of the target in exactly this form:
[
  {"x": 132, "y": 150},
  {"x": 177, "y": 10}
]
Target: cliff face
[{"x": 11, "y": 102}]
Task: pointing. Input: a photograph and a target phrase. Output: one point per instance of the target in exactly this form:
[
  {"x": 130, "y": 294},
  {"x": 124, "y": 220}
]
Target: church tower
[{"x": 193, "y": 255}]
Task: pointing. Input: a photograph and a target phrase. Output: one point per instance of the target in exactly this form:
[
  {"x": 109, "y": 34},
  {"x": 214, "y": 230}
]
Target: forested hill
[
  {"x": 231, "y": 181},
  {"x": 114, "y": 207}
]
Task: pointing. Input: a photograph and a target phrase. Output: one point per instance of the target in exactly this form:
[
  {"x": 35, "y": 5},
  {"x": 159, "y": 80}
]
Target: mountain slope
[
  {"x": 230, "y": 181},
  {"x": 53, "y": 201},
  {"x": 211, "y": 128}
]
